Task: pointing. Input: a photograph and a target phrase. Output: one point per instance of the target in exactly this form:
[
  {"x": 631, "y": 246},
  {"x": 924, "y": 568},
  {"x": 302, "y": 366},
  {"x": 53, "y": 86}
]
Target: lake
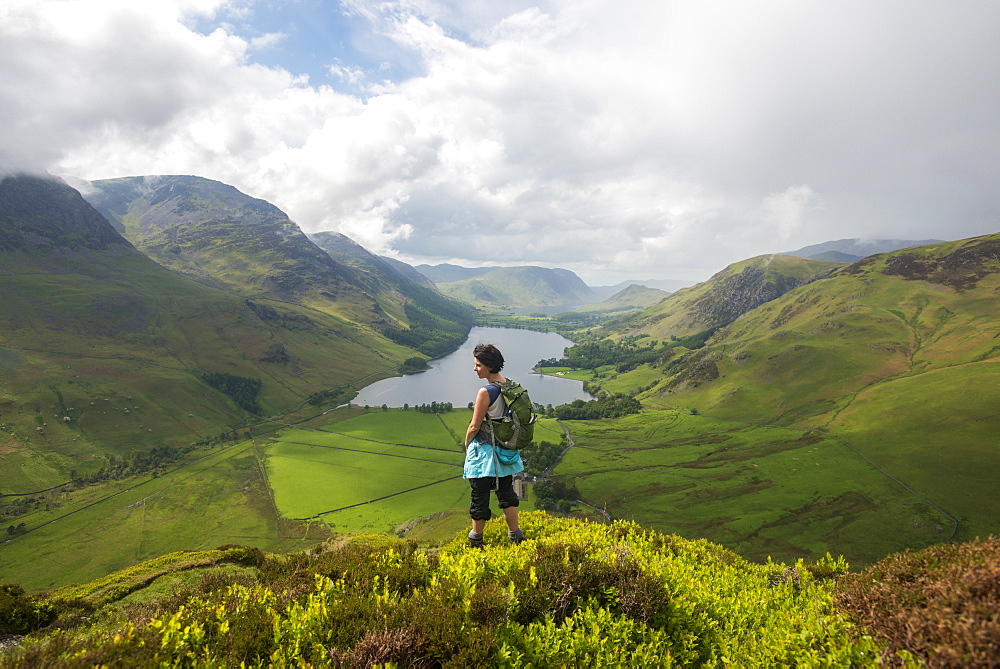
[{"x": 452, "y": 379}]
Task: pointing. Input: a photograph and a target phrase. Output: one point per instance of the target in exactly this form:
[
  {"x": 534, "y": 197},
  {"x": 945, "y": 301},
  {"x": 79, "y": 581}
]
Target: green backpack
[{"x": 516, "y": 429}]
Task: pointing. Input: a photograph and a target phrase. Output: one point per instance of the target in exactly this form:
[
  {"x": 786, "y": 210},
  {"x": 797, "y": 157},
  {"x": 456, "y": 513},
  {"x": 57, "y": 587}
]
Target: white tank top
[{"x": 498, "y": 407}]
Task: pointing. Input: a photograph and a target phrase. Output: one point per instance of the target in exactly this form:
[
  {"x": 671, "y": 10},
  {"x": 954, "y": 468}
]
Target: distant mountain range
[
  {"x": 629, "y": 299},
  {"x": 525, "y": 289},
  {"x": 667, "y": 285},
  {"x": 522, "y": 288},
  {"x": 447, "y": 273},
  {"x": 852, "y": 250}
]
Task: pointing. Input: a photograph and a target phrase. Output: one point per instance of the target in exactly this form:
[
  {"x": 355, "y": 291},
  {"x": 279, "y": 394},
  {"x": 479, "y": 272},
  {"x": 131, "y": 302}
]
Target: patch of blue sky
[{"x": 318, "y": 39}]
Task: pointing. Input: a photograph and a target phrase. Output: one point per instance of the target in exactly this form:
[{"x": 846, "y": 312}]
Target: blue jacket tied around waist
[{"x": 482, "y": 459}]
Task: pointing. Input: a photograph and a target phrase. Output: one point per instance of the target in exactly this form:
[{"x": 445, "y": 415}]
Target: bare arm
[{"x": 478, "y": 413}]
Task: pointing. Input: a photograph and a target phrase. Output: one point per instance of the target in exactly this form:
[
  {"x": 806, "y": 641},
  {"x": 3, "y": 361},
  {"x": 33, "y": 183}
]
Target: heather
[{"x": 574, "y": 593}]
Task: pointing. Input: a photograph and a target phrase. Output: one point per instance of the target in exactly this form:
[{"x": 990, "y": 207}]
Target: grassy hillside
[
  {"x": 734, "y": 291},
  {"x": 77, "y": 535},
  {"x": 896, "y": 355},
  {"x": 521, "y": 288},
  {"x": 434, "y": 323},
  {"x": 762, "y": 491},
  {"x": 224, "y": 238},
  {"x": 104, "y": 353},
  {"x": 631, "y": 298}
]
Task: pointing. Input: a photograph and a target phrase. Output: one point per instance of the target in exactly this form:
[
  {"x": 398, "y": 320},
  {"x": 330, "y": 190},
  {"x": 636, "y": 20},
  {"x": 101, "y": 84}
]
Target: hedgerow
[{"x": 572, "y": 594}]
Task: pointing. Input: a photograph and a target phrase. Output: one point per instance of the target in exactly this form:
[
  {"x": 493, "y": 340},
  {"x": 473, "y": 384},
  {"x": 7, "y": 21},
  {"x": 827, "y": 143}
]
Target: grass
[
  {"x": 220, "y": 499},
  {"x": 568, "y": 373},
  {"x": 224, "y": 498},
  {"x": 939, "y": 441},
  {"x": 760, "y": 491},
  {"x": 371, "y": 472},
  {"x": 901, "y": 366},
  {"x": 106, "y": 334}
]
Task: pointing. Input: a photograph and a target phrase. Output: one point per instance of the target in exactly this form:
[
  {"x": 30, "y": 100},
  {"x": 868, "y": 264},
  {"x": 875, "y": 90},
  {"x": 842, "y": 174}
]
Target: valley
[{"x": 801, "y": 407}]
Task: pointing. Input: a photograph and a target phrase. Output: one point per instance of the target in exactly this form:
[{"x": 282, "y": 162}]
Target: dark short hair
[{"x": 489, "y": 355}]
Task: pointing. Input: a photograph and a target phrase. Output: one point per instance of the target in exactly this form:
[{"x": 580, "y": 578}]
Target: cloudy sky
[{"x": 616, "y": 138}]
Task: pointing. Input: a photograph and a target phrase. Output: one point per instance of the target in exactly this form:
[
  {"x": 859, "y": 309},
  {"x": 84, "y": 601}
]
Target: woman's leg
[
  {"x": 509, "y": 515},
  {"x": 479, "y": 510}
]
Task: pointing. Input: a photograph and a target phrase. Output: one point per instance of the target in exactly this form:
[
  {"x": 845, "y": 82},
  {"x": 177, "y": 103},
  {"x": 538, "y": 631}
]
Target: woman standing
[{"x": 490, "y": 467}]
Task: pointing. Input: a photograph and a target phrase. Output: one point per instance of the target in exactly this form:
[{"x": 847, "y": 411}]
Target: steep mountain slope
[
  {"x": 896, "y": 354},
  {"x": 106, "y": 353},
  {"x": 522, "y": 287},
  {"x": 434, "y": 324},
  {"x": 409, "y": 271},
  {"x": 734, "y": 291},
  {"x": 222, "y": 237}
]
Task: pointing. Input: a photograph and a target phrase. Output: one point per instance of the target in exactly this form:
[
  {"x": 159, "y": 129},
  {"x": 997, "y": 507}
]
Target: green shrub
[
  {"x": 21, "y": 613},
  {"x": 572, "y": 594},
  {"x": 248, "y": 555}
]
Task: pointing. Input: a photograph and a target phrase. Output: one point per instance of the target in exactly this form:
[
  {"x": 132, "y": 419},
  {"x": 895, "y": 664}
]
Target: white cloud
[
  {"x": 784, "y": 213},
  {"x": 349, "y": 74},
  {"x": 267, "y": 40},
  {"x": 655, "y": 138}
]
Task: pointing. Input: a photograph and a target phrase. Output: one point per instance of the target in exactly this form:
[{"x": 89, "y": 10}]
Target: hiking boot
[
  {"x": 517, "y": 536},
  {"x": 475, "y": 540}
]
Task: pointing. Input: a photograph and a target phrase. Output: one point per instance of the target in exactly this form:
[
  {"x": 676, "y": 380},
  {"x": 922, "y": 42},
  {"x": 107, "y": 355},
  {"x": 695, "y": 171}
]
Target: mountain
[
  {"x": 41, "y": 215},
  {"x": 448, "y": 273},
  {"x": 631, "y": 297},
  {"x": 835, "y": 256},
  {"x": 666, "y": 285},
  {"x": 409, "y": 271},
  {"x": 736, "y": 290},
  {"x": 223, "y": 238},
  {"x": 106, "y": 354},
  {"x": 851, "y": 250},
  {"x": 377, "y": 275},
  {"x": 896, "y": 354},
  {"x": 429, "y": 321},
  {"x": 522, "y": 288}
]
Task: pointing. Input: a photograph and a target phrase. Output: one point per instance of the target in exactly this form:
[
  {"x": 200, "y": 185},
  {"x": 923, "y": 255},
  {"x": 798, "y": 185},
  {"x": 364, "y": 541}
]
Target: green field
[
  {"x": 357, "y": 472},
  {"x": 760, "y": 491},
  {"x": 371, "y": 472},
  {"x": 216, "y": 500}
]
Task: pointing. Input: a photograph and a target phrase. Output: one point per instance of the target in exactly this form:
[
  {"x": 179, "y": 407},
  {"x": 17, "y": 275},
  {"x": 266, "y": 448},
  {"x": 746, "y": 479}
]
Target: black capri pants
[{"x": 479, "y": 507}]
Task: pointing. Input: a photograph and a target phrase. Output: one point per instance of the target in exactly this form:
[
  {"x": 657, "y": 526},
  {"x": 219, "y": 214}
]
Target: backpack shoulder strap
[{"x": 495, "y": 390}]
